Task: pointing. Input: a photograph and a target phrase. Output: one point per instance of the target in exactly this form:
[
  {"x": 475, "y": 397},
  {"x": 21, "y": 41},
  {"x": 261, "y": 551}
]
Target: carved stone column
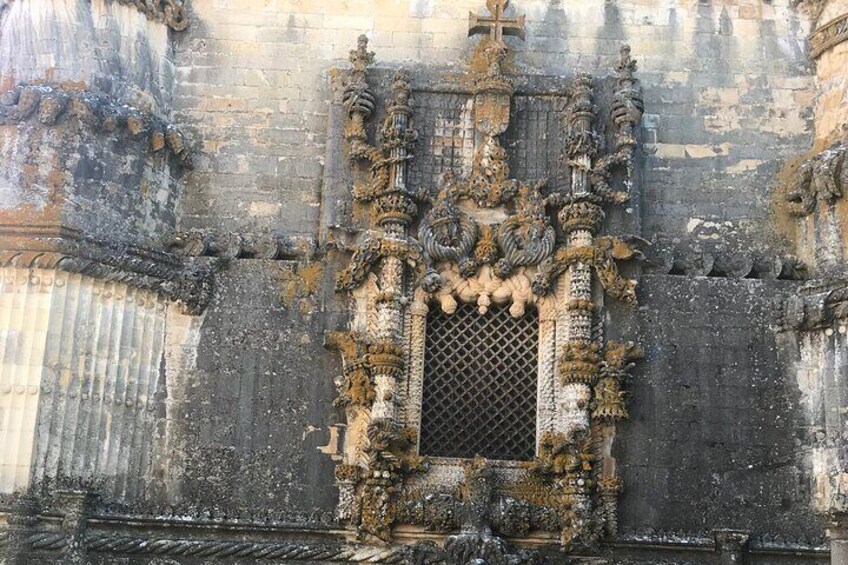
[
  {"x": 76, "y": 506},
  {"x": 89, "y": 180},
  {"x": 578, "y": 365}
]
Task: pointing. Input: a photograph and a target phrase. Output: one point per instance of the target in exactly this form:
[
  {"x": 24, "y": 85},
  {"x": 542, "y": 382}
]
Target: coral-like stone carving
[
  {"x": 172, "y": 13},
  {"x": 484, "y": 238},
  {"x": 822, "y": 178}
]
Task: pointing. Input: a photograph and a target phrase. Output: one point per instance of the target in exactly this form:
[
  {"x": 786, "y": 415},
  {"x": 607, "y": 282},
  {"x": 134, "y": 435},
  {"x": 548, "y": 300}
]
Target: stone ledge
[{"x": 188, "y": 283}]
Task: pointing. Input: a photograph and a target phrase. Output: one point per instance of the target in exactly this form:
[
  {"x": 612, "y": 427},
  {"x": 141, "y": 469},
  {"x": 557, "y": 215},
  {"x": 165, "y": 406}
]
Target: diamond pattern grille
[{"x": 480, "y": 376}]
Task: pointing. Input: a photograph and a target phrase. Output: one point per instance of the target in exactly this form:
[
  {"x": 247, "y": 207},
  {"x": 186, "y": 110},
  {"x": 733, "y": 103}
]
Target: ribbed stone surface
[{"x": 79, "y": 379}]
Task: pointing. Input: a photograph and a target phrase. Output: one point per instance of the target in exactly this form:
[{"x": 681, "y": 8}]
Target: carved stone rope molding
[
  {"x": 47, "y": 541},
  {"x": 829, "y": 35}
]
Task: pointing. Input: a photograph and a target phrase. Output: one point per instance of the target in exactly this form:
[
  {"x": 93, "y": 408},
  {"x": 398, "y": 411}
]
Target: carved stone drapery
[{"x": 484, "y": 238}]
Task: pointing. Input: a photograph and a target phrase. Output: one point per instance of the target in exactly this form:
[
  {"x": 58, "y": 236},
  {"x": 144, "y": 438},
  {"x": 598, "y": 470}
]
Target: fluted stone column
[{"x": 90, "y": 166}]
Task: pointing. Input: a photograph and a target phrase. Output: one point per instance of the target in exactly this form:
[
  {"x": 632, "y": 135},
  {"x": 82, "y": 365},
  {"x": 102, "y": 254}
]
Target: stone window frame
[{"x": 415, "y": 345}]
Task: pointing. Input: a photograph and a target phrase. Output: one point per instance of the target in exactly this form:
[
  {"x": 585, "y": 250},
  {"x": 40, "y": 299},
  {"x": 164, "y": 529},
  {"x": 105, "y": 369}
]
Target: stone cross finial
[{"x": 495, "y": 24}]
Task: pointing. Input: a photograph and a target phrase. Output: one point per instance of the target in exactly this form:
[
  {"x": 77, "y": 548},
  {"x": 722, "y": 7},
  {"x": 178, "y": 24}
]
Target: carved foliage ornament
[
  {"x": 821, "y": 178},
  {"x": 519, "y": 257}
]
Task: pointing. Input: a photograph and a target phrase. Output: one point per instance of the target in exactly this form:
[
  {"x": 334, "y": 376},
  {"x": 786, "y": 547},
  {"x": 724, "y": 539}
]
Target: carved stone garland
[{"x": 571, "y": 486}]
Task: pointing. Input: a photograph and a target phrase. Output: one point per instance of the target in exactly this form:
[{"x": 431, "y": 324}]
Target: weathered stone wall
[
  {"x": 727, "y": 86},
  {"x": 728, "y": 94}
]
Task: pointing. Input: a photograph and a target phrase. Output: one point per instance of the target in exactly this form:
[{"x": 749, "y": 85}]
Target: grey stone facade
[{"x": 175, "y": 208}]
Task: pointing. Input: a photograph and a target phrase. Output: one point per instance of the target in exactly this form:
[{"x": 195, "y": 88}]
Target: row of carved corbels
[
  {"x": 739, "y": 265},
  {"x": 49, "y": 105},
  {"x": 233, "y": 245}
]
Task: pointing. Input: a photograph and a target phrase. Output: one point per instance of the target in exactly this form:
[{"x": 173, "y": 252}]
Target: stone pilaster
[
  {"x": 731, "y": 545},
  {"x": 837, "y": 533}
]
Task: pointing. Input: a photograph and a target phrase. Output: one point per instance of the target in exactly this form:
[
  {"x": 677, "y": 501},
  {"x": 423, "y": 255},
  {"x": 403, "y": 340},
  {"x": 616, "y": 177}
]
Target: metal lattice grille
[{"x": 480, "y": 384}]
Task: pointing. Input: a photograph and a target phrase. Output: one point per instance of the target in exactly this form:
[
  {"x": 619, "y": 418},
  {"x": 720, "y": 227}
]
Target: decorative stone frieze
[
  {"x": 828, "y": 36},
  {"x": 51, "y": 104},
  {"x": 487, "y": 239}
]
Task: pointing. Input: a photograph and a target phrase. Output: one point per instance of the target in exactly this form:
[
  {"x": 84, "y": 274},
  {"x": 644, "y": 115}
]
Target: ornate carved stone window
[{"x": 474, "y": 306}]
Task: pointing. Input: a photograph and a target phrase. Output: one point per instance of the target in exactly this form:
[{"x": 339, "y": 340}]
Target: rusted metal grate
[{"x": 480, "y": 384}]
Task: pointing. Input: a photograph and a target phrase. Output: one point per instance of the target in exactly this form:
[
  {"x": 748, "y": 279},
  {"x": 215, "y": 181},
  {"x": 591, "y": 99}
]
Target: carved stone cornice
[
  {"x": 64, "y": 249},
  {"x": 828, "y": 35},
  {"x": 172, "y": 13},
  {"x": 51, "y": 105}
]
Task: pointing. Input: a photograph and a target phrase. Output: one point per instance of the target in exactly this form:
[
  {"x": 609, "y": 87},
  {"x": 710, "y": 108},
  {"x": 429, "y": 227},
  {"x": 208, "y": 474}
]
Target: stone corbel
[
  {"x": 50, "y": 105},
  {"x": 172, "y": 13},
  {"x": 821, "y": 178}
]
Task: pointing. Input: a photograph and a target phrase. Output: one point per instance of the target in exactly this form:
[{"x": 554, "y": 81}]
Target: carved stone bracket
[
  {"x": 815, "y": 306},
  {"x": 821, "y": 178}
]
